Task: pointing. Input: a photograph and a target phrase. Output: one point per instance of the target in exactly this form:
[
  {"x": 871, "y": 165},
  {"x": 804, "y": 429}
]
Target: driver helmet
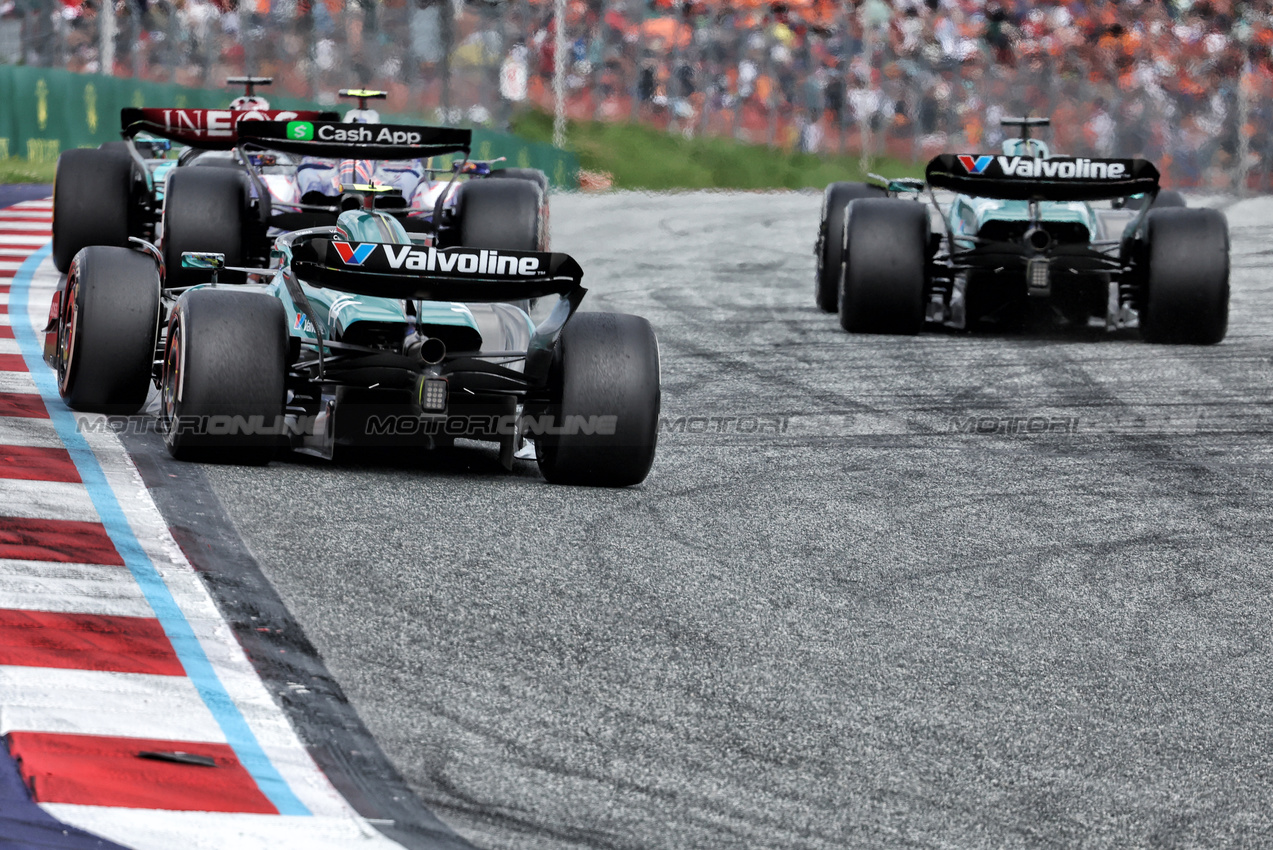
[
  {"x": 362, "y": 116},
  {"x": 249, "y": 103},
  {"x": 1027, "y": 147}
]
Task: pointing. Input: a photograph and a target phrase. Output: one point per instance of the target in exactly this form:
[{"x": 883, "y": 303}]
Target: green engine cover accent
[
  {"x": 365, "y": 226},
  {"x": 342, "y": 310},
  {"x": 450, "y": 322},
  {"x": 159, "y": 174},
  {"x": 453, "y": 323},
  {"x": 967, "y": 215}
]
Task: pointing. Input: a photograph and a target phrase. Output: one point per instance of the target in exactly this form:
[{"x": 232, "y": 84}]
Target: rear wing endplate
[
  {"x": 338, "y": 140},
  {"x": 414, "y": 272},
  {"x": 1020, "y": 178}
]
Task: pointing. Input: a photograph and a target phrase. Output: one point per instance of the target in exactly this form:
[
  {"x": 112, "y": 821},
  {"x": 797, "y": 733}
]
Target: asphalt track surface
[{"x": 857, "y": 602}]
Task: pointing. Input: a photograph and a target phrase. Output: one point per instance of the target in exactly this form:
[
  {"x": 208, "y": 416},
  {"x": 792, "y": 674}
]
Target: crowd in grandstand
[{"x": 1184, "y": 83}]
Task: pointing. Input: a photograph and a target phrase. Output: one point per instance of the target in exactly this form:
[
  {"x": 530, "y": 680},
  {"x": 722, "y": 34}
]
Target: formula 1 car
[
  {"x": 418, "y": 186},
  {"x": 362, "y": 334},
  {"x": 1022, "y": 231},
  {"x": 107, "y": 195},
  {"x": 247, "y": 192}
]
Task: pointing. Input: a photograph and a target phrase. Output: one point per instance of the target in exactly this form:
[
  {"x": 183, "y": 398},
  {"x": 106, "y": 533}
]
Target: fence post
[
  {"x": 559, "y": 73},
  {"x": 1245, "y": 83},
  {"x": 106, "y": 55},
  {"x": 864, "y": 121}
]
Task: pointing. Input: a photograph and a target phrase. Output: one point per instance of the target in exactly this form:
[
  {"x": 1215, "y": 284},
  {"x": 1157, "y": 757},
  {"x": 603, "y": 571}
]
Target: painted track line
[
  {"x": 224, "y": 703},
  {"x": 174, "y": 621}
]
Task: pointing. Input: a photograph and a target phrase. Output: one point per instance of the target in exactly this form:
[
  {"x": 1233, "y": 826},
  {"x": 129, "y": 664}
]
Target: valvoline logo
[
  {"x": 354, "y": 255},
  {"x": 975, "y": 165}
]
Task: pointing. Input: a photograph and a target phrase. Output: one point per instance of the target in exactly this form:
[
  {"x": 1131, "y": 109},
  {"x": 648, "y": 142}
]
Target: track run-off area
[
  {"x": 130, "y": 713},
  {"x": 954, "y": 590}
]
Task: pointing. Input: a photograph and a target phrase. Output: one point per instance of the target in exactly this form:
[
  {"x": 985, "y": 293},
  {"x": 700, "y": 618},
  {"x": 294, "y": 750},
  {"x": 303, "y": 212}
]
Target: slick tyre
[
  {"x": 604, "y": 392},
  {"x": 501, "y": 214},
  {"x": 830, "y": 247},
  {"x": 886, "y": 248},
  {"x": 106, "y": 330},
  {"x": 1185, "y": 297},
  {"x": 534, "y": 175},
  {"x": 205, "y": 209},
  {"x": 224, "y": 376},
  {"x": 1169, "y": 199},
  {"x": 92, "y": 202},
  {"x": 506, "y": 215}
]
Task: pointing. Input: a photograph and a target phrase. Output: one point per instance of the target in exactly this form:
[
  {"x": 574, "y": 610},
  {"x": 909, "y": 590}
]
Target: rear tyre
[
  {"x": 106, "y": 330},
  {"x": 499, "y": 214},
  {"x": 534, "y": 175},
  {"x": 205, "y": 209},
  {"x": 886, "y": 261},
  {"x": 604, "y": 379},
  {"x": 92, "y": 202},
  {"x": 1185, "y": 296},
  {"x": 830, "y": 247},
  {"x": 506, "y": 215},
  {"x": 224, "y": 376},
  {"x": 1169, "y": 199}
]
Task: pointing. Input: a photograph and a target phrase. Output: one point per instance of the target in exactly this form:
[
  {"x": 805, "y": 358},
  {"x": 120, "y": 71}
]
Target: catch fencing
[
  {"x": 53, "y": 97},
  {"x": 821, "y": 77}
]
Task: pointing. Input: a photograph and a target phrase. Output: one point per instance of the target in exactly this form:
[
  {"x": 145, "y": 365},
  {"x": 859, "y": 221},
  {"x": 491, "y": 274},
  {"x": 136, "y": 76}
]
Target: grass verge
[
  {"x": 640, "y": 157},
  {"x": 15, "y": 170}
]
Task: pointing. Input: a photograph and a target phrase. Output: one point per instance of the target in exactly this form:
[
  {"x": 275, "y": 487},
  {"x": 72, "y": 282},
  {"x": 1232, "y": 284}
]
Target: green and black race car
[
  {"x": 1023, "y": 232},
  {"x": 361, "y": 333}
]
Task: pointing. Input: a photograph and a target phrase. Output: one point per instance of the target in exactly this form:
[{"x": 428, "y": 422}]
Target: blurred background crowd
[{"x": 1187, "y": 84}]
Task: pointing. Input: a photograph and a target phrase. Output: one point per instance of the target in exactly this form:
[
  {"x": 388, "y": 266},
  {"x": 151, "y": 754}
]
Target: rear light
[{"x": 1038, "y": 278}]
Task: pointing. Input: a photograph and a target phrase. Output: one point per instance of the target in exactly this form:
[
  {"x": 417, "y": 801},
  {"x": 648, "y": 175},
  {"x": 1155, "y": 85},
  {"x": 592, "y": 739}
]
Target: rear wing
[
  {"x": 1020, "y": 178},
  {"x": 338, "y": 140},
  {"x": 213, "y": 129},
  {"x": 1025, "y": 123},
  {"x": 249, "y": 83},
  {"x": 410, "y": 271}
]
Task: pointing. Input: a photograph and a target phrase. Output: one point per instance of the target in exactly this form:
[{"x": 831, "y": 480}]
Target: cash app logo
[{"x": 300, "y": 131}]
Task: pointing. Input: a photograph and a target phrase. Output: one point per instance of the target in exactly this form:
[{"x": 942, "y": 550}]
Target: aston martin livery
[
  {"x": 363, "y": 333},
  {"x": 1024, "y": 234}
]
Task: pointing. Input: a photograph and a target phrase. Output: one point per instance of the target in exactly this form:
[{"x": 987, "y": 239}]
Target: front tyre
[
  {"x": 224, "y": 376},
  {"x": 830, "y": 247},
  {"x": 604, "y": 396},
  {"x": 1185, "y": 294},
  {"x": 106, "y": 330}
]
